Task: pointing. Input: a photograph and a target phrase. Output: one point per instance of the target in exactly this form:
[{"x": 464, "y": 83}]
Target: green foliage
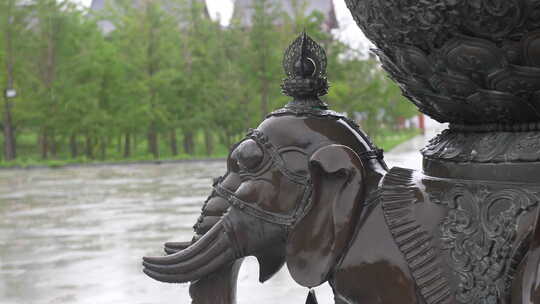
[{"x": 167, "y": 81}]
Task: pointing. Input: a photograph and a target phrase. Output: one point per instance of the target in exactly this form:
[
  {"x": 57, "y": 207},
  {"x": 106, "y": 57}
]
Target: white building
[
  {"x": 107, "y": 26},
  {"x": 243, "y": 10}
]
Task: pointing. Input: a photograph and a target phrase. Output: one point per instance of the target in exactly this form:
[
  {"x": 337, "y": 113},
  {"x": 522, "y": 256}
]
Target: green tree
[
  {"x": 202, "y": 69},
  {"x": 58, "y": 33},
  {"x": 13, "y": 33},
  {"x": 363, "y": 88},
  {"x": 165, "y": 72},
  {"x": 265, "y": 50},
  {"x": 146, "y": 38}
]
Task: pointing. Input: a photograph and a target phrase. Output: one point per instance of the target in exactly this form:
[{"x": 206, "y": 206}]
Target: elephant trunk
[
  {"x": 211, "y": 213},
  {"x": 205, "y": 256}
]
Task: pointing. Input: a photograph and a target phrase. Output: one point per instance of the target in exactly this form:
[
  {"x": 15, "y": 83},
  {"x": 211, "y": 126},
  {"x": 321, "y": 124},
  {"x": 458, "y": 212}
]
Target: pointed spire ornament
[
  {"x": 311, "y": 298},
  {"x": 305, "y": 63}
]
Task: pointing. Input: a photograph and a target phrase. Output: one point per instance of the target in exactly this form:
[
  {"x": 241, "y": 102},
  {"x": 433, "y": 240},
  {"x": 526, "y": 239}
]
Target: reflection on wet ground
[{"x": 77, "y": 234}]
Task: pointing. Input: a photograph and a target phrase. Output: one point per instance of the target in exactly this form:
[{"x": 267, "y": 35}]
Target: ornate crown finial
[{"x": 305, "y": 65}]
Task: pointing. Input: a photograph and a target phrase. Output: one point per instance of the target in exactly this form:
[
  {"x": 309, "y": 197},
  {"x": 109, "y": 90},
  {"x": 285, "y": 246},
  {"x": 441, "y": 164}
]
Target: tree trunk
[
  {"x": 188, "y": 142},
  {"x": 228, "y": 140},
  {"x": 89, "y": 147},
  {"x": 265, "y": 97},
  {"x": 119, "y": 144},
  {"x": 44, "y": 144},
  {"x": 103, "y": 148},
  {"x": 265, "y": 90},
  {"x": 174, "y": 144},
  {"x": 10, "y": 152},
  {"x": 127, "y": 145},
  {"x": 152, "y": 69},
  {"x": 53, "y": 144},
  {"x": 73, "y": 148},
  {"x": 209, "y": 142},
  {"x": 153, "y": 140}
]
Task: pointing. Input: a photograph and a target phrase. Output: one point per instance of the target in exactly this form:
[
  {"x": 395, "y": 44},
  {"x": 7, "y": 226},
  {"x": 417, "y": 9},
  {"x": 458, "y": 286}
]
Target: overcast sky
[{"x": 348, "y": 32}]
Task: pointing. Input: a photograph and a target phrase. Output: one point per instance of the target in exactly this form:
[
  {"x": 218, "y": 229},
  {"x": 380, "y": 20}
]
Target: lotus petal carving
[{"x": 460, "y": 61}]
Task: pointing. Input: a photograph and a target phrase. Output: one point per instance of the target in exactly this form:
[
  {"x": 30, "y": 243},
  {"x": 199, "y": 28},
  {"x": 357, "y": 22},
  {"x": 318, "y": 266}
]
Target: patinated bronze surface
[
  {"x": 309, "y": 189},
  {"x": 460, "y": 61}
]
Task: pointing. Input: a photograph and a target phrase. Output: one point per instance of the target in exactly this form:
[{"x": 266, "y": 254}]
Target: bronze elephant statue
[{"x": 308, "y": 188}]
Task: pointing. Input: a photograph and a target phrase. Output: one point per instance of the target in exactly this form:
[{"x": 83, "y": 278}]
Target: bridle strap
[
  {"x": 254, "y": 210},
  {"x": 260, "y": 138}
]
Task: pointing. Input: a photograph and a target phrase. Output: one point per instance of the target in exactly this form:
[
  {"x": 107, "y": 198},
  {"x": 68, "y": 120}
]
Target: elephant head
[{"x": 296, "y": 186}]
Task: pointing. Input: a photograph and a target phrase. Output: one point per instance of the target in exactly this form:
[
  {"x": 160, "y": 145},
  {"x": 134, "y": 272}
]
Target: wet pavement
[{"x": 77, "y": 234}]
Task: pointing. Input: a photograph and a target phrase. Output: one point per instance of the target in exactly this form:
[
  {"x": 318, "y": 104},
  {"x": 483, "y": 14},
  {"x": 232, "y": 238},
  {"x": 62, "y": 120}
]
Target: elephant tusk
[
  {"x": 189, "y": 252},
  {"x": 189, "y": 264},
  {"x": 214, "y": 264},
  {"x": 174, "y": 247}
]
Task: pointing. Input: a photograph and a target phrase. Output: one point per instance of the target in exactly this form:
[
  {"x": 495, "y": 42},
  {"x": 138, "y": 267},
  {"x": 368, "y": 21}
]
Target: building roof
[
  {"x": 107, "y": 26},
  {"x": 97, "y": 5},
  {"x": 243, "y": 10}
]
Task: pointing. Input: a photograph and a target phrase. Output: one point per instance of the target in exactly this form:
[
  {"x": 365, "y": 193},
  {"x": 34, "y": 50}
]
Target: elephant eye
[{"x": 248, "y": 155}]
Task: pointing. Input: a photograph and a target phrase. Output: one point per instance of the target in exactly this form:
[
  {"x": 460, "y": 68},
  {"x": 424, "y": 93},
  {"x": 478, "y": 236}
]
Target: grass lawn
[{"x": 389, "y": 139}]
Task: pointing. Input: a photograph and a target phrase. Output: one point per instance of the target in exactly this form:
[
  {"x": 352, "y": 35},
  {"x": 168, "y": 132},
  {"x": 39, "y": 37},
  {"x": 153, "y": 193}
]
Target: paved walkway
[{"x": 408, "y": 154}]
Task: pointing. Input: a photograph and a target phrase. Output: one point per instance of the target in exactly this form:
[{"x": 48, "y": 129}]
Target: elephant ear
[{"x": 320, "y": 238}]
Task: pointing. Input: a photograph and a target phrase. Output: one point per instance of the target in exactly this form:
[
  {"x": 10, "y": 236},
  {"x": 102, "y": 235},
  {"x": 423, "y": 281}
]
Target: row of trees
[{"x": 167, "y": 80}]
